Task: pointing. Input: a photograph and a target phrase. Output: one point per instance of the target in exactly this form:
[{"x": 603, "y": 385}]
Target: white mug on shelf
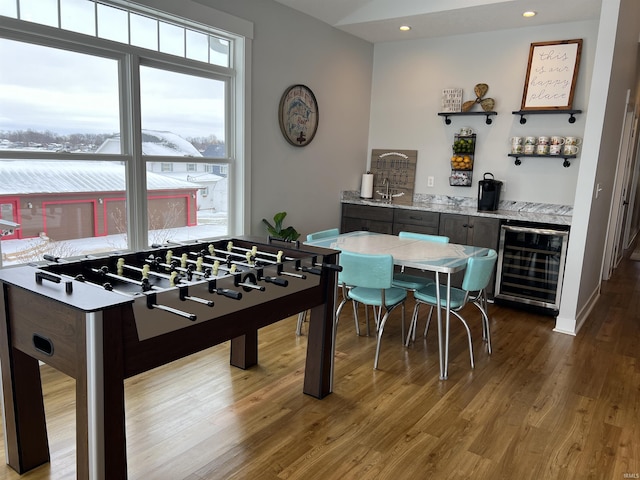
[
  {"x": 516, "y": 148},
  {"x": 571, "y": 149},
  {"x": 543, "y": 149},
  {"x": 529, "y": 149},
  {"x": 516, "y": 141},
  {"x": 543, "y": 140},
  {"x": 530, "y": 140},
  {"x": 555, "y": 140},
  {"x": 555, "y": 149},
  {"x": 573, "y": 140}
]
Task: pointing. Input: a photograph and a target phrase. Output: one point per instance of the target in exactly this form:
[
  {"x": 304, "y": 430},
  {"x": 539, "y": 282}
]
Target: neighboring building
[
  {"x": 210, "y": 177},
  {"x": 67, "y": 200}
]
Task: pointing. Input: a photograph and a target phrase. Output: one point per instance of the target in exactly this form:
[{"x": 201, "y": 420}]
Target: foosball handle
[
  {"x": 281, "y": 282},
  {"x": 225, "y": 292},
  {"x": 313, "y": 270},
  {"x": 331, "y": 266},
  {"x": 271, "y": 239},
  {"x": 40, "y": 276}
]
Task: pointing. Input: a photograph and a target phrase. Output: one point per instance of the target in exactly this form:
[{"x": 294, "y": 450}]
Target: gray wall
[
  {"x": 291, "y": 48},
  {"x": 408, "y": 80}
]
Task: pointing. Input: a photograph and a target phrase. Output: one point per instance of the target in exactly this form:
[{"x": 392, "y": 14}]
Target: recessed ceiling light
[
  {"x": 405, "y": 28},
  {"x": 528, "y": 14}
]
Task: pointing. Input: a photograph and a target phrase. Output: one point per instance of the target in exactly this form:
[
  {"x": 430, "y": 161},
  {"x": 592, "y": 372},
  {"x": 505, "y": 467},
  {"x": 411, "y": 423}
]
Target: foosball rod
[
  {"x": 151, "y": 304},
  {"x": 175, "y": 267},
  {"x": 278, "y": 255},
  {"x": 212, "y": 265},
  {"x": 198, "y": 254},
  {"x": 105, "y": 272},
  {"x": 220, "y": 259},
  {"x": 144, "y": 272},
  {"x": 173, "y": 278},
  {"x": 246, "y": 257},
  {"x": 184, "y": 295}
]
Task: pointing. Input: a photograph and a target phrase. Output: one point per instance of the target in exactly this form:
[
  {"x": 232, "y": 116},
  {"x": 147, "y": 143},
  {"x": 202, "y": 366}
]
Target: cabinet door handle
[
  {"x": 415, "y": 218},
  {"x": 465, "y": 225}
]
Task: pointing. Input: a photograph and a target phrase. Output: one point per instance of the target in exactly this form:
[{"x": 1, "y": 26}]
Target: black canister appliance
[{"x": 488, "y": 193}]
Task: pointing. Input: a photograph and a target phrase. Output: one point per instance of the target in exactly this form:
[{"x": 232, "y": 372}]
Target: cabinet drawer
[
  {"x": 404, "y": 227},
  {"x": 365, "y": 212},
  {"x": 350, "y": 224},
  {"x": 416, "y": 217}
]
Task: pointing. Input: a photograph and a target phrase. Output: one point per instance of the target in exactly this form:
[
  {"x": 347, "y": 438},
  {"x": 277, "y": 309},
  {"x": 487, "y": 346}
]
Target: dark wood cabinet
[
  {"x": 388, "y": 220},
  {"x": 364, "y": 217},
  {"x": 471, "y": 230},
  {"x": 417, "y": 221}
]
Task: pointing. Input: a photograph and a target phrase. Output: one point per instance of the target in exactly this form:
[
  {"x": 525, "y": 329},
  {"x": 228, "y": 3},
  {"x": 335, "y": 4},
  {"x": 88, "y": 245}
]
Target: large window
[{"x": 107, "y": 145}]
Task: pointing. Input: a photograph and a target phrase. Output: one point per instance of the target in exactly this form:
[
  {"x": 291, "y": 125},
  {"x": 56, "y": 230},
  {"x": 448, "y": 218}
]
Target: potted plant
[{"x": 276, "y": 230}]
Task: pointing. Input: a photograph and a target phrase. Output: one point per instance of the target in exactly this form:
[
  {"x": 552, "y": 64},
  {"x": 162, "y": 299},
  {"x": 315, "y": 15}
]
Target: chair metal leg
[
  {"x": 355, "y": 316},
  {"x": 486, "y": 332},
  {"x": 426, "y": 327},
  {"x": 301, "y": 318},
  {"x": 412, "y": 324},
  {"x": 381, "y": 329},
  {"x": 473, "y": 365}
]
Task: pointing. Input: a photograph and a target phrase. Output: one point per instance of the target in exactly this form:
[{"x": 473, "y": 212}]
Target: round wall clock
[{"x": 298, "y": 115}]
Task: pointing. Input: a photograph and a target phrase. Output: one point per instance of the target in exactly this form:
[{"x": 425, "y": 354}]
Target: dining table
[{"x": 444, "y": 259}]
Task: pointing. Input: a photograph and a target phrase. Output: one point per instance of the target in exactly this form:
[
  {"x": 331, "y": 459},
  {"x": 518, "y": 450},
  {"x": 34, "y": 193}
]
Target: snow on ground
[{"x": 211, "y": 224}]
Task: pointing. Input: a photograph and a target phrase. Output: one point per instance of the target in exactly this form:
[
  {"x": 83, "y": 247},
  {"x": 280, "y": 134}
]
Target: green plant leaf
[{"x": 276, "y": 230}]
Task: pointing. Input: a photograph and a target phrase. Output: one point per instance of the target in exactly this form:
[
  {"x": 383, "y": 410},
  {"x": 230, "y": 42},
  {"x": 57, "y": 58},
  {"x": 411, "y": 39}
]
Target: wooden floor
[{"x": 543, "y": 406}]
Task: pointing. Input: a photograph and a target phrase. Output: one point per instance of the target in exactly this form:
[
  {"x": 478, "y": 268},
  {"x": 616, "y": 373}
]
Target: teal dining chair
[
  {"x": 410, "y": 282},
  {"x": 331, "y": 232},
  {"x": 370, "y": 278},
  {"x": 473, "y": 290}
]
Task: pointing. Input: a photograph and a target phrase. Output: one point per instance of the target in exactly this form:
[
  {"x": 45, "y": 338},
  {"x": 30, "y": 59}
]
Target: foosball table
[{"x": 104, "y": 319}]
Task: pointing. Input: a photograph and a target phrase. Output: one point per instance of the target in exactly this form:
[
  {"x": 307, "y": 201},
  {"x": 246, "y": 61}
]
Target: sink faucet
[{"x": 387, "y": 197}]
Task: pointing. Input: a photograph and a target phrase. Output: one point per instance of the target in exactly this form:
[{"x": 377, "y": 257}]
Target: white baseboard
[{"x": 572, "y": 326}]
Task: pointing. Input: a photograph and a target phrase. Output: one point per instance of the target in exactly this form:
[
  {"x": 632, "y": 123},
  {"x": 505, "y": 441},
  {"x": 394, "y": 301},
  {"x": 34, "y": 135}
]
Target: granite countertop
[{"x": 508, "y": 210}]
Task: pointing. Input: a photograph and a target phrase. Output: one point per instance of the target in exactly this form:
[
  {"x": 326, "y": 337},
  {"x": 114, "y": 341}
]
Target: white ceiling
[{"x": 379, "y": 20}]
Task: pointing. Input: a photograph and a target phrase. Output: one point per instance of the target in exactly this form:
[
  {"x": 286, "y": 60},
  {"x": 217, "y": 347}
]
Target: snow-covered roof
[
  {"x": 155, "y": 142},
  {"x": 37, "y": 176}
]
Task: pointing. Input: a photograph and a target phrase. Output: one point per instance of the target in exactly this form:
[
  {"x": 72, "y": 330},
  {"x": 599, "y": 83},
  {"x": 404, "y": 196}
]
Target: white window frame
[{"x": 237, "y": 133}]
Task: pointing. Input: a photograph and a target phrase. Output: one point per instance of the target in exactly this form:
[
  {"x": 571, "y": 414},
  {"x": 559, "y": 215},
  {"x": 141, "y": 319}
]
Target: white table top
[{"x": 407, "y": 252}]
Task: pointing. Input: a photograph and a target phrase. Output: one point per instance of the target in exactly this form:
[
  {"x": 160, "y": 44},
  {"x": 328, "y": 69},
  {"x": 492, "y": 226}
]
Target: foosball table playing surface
[{"x": 104, "y": 319}]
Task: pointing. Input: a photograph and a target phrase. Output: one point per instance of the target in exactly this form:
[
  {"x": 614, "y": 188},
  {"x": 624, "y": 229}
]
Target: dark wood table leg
[
  {"x": 318, "y": 381},
  {"x": 244, "y": 350},
  {"x": 26, "y": 439}
]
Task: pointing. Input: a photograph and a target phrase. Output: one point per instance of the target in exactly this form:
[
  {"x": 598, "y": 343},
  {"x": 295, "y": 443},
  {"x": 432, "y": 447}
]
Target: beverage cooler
[{"x": 531, "y": 261}]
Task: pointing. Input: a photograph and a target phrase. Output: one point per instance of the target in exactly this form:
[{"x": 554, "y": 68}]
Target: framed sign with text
[{"x": 551, "y": 75}]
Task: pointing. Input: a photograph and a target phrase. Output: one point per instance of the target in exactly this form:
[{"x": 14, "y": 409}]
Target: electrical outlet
[{"x": 430, "y": 181}]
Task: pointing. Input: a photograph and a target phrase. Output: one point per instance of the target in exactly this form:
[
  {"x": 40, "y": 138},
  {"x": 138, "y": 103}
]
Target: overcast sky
[{"x": 65, "y": 92}]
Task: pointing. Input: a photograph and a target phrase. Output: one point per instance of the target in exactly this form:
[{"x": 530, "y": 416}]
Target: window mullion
[{"x": 131, "y": 141}]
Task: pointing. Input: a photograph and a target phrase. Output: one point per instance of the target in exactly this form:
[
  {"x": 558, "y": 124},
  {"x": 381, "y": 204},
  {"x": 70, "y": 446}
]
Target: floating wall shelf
[
  {"x": 447, "y": 120},
  {"x": 523, "y": 120},
  {"x": 518, "y": 156}
]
